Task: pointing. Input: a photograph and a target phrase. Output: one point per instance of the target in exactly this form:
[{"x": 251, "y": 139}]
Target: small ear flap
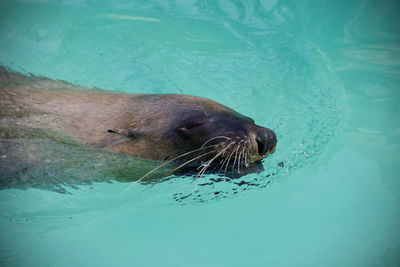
[{"x": 134, "y": 133}]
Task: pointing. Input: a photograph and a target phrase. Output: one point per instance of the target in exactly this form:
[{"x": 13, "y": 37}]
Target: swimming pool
[{"x": 324, "y": 76}]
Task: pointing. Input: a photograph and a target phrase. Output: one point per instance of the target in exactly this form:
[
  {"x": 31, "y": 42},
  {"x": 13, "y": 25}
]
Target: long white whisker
[
  {"x": 234, "y": 161},
  {"x": 221, "y": 136},
  {"x": 208, "y": 163},
  {"x": 240, "y": 154},
  {"x": 162, "y": 165},
  {"x": 223, "y": 163},
  {"x": 187, "y": 162},
  {"x": 227, "y": 163},
  {"x": 247, "y": 154}
]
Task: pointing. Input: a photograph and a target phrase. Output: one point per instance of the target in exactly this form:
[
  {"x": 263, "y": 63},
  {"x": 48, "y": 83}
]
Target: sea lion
[{"x": 186, "y": 130}]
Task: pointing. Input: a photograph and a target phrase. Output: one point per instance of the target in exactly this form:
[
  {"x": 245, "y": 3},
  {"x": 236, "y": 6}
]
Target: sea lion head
[
  {"x": 194, "y": 131},
  {"x": 226, "y": 130}
]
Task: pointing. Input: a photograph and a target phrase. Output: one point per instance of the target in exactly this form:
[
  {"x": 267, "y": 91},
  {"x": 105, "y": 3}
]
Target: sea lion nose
[{"x": 266, "y": 140}]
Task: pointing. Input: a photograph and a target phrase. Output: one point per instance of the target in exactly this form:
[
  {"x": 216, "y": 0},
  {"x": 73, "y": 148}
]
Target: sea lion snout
[
  {"x": 266, "y": 141},
  {"x": 230, "y": 132}
]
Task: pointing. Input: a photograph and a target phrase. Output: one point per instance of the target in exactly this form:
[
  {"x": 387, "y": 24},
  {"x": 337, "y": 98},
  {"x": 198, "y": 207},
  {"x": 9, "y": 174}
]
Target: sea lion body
[{"x": 149, "y": 126}]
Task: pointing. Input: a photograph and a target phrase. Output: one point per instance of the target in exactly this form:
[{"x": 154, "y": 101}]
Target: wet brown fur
[{"x": 146, "y": 124}]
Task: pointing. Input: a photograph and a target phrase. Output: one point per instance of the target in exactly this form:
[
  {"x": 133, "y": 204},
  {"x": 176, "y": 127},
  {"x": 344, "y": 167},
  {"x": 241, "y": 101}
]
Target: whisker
[
  {"x": 223, "y": 164},
  {"x": 239, "y": 160},
  {"x": 227, "y": 163},
  {"x": 245, "y": 149},
  {"x": 165, "y": 163},
  {"x": 234, "y": 161},
  {"x": 221, "y": 136},
  {"x": 205, "y": 167},
  {"x": 187, "y": 162},
  {"x": 224, "y": 160},
  {"x": 247, "y": 157},
  {"x": 238, "y": 165},
  {"x": 249, "y": 153},
  {"x": 208, "y": 163}
]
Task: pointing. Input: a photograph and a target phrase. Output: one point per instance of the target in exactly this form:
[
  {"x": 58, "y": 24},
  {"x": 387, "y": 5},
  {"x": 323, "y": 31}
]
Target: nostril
[
  {"x": 266, "y": 139},
  {"x": 262, "y": 148}
]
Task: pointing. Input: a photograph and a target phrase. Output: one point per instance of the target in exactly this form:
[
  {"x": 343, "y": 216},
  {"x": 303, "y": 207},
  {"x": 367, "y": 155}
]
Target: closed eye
[
  {"x": 191, "y": 128},
  {"x": 193, "y": 125}
]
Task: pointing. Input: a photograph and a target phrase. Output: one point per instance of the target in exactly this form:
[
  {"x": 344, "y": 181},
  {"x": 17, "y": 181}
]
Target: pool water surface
[{"x": 323, "y": 75}]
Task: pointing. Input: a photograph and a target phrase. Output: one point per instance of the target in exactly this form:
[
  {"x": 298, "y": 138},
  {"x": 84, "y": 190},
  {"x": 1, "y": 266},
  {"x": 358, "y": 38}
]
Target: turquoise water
[{"x": 323, "y": 75}]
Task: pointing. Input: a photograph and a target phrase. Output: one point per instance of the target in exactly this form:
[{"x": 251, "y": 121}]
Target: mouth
[
  {"x": 259, "y": 157},
  {"x": 272, "y": 150}
]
